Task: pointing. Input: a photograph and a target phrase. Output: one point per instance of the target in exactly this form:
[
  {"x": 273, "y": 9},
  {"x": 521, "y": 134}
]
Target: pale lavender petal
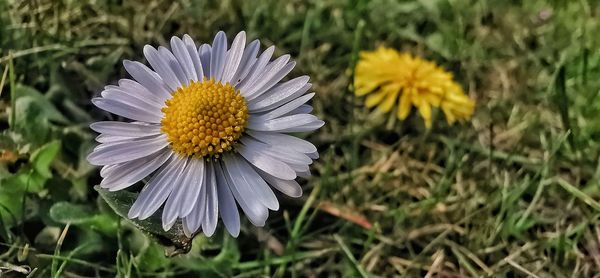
[
  {"x": 183, "y": 57},
  {"x": 262, "y": 191},
  {"x": 257, "y": 213},
  {"x": 185, "y": 194},
  {"x": 105, "y": 138},
  {"x": 128, "y": 173},
  {"x": 211, "y": 214},
  {"x": 227, "y": 206},
  {"x": 135, "y": 88},
  {"x": 280, "y": 94},
  {"x": 267, "y": 163},
  {"x": 193, "y": 51},
  {"x": 278, "y": 139},
  {"x": 125, "y": 129},
  {"x": 256, "y": 71},
  {"x": 119, "y": 152},
  {"x": 158, "y": 189},
  {"x": 283, "y": 123},
  {"x": 304, "y": 127},
  {"x": 286, "y": 108},
  {"x": 118, "y": 94},
  {"x": 127, "y": 111},
  {"x": 161, "y": 67},
  {"x": 107, "y": 170},
  {"x": 303, "y": 109},
  {"x": 287, "y": 187},
  {"x": 282, "y": 153},
  {"x": 205, "y": 52},
  {"x": 218, "y": 54},
  {"x": 173, "y": 64},
  {"x": 304, "y": 174},
  {"x": 192, "y": 222},
  {"x": 234, "y": 56},
  {"x": 248, "y": 60},
  {"x": 271, "y": 77},
  {"x": 148, "y": 78}
]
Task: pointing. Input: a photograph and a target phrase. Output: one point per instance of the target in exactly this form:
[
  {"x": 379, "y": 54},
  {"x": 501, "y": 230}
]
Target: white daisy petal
[
  {"x": 297, "y": 161},
  {"x": 128, "y": 173},
  {"x": 287, "y": 187},
  {"x": 256, "y": 71},
  {"x": 158, "y": 189},
  {"x": 184, "y": 59},
  {"x": 125, "y": 129},
  {"x": 286, "y": 108},
  {"x": 126, "y": 110},
  {"x": 314, "y": 125},
  {"x": 193, "y": 221},
  {"x": 193, "y": 189},
  {"x": 256, "y": 183},
  {"x": 107, "y": 170},
  {"x": 161, "y": 66},
  {"x": 305, "y": 174},
  {"x": 278, "y": 139},
  {"x": 280, "y": 94},
  {"x": 120, "y": 152},
  {"x": 227, "y": 205},
  {"x": 257, "y": 213},
  {"x": 185, "y": 195},
  {"x": 248, "y": 60},
  {"x": 218, "y": 55},
  {"x": 282, "y": 153},
  {"x": 118, "y": 94},
  {"x": 267, "y": 163},
  {"x": 303, "y": 109},
  {"x": 265, "y": 74},
  {"x": 272, "y": 76},
  {"x": 205, "y": 52},
  {"x": 194, "y": 55},
  {"x": 234, "y": 57},
  {"x": 172, "y": 62},
  {"x": 147, "y": 78},
  {"x": 136, "y": 89},
  {"x": 211, "y": 214},
  {"x": 105, "y": 138},
  {"x": 283, "y": 123}
]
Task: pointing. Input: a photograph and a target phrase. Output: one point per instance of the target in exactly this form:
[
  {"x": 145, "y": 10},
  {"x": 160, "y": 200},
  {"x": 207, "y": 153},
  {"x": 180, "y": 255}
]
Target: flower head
[
  {"x": 209, "y": 129},
  {"x": 389, "y": 77}
]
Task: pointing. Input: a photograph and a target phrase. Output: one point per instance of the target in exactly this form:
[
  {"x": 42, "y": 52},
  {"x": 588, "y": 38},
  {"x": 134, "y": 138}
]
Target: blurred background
[{"x": 514, "y": 191}]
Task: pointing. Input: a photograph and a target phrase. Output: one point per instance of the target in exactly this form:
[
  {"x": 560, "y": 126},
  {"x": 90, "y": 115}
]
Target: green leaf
[
  {"x": 43, "y": 157},
  {"x": 47, "y": 108},
  {"x": 11, "y": 199},
  {"x": 30, "y": 121},
  {"x": 437, "y": 43},
  {"x": 83, "y": 216},
  {"x": 152, "y": 258},
  {"x": 24, "y": 180},
  {"x": 121, "y": 201},
  {"x": 229, "y": 255}
]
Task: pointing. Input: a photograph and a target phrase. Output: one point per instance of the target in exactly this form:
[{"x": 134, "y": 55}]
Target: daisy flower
[
  {"x": 209, "y": 128},
  {"x": 389, "y": 77}
]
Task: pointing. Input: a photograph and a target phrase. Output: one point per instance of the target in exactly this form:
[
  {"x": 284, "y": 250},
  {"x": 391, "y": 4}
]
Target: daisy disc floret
[
  {"x": 204, "y": 119},
  {"x": 208, "y": 129}
]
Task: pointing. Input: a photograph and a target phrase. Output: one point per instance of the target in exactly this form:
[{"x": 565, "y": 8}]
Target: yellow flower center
[{"x": 204, "y": 119}]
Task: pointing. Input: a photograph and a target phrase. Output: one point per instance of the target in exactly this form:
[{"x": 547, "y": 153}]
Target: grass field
[{"x": 513, "y": 192}]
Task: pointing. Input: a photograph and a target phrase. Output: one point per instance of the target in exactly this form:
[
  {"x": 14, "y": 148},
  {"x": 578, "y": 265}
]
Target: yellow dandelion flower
[{"x": 389, "y": 77}]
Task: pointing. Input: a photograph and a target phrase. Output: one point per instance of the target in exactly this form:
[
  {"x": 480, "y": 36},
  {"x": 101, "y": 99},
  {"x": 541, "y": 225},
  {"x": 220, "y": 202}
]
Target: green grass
[{"x": 513, "y": 192}]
